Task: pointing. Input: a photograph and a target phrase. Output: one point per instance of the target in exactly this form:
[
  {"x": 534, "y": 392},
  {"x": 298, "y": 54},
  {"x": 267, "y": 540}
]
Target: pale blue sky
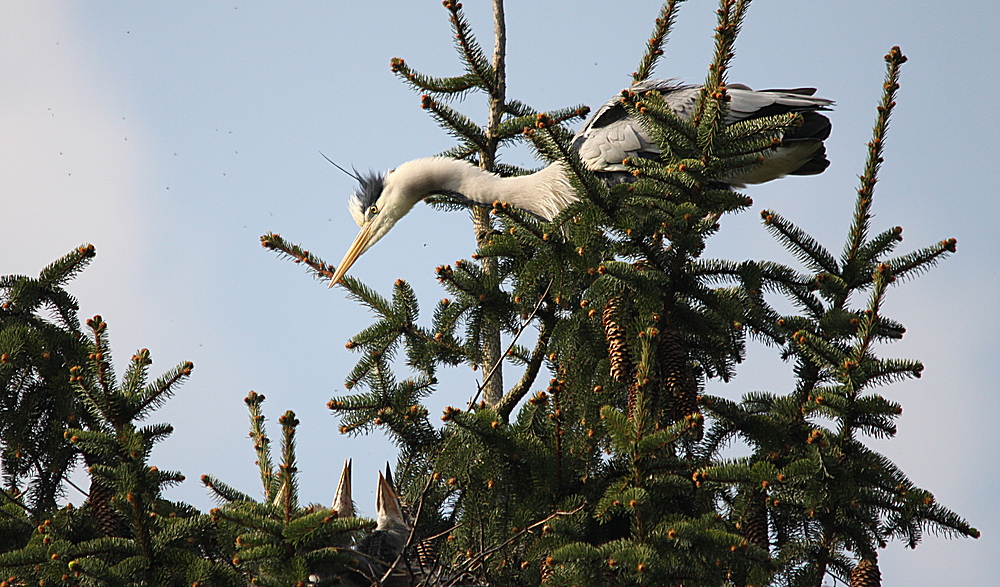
[{"x": 173, "y": 134}]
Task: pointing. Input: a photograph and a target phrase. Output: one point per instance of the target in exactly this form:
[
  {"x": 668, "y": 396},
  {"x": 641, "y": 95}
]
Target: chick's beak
[{"x": 359, "y": 246}]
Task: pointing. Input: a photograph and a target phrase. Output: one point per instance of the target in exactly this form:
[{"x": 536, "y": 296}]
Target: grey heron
[{"x": 608, "y": 137}]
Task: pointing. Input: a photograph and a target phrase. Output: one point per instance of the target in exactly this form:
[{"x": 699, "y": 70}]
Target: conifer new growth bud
[
  {"x": 896, "y": 56},
  {"x": 540, "y": 399}
]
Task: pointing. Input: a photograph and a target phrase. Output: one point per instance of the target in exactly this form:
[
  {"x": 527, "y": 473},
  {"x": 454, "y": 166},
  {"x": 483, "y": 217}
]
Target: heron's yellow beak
[{"x": 360, "y": 245}]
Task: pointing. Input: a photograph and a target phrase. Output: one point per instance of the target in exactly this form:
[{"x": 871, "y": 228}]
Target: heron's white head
[
  {"x": 376, "y": 205},
  {"x": 380, "y": 200}
]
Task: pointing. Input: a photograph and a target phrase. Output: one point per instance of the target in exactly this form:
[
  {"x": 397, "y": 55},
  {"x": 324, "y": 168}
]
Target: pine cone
[
  {"x": 633, "y": 391},
  {"x": 427, "y": 553},
  {"x": 100, "y": 506},
  {"x": 546, "y": 569},
  {"x": 866, "y": 574},
  {"x": 621, "y": 363},
  {"x": 755, "y": 524},
  {"x": 676, "y": 376}
]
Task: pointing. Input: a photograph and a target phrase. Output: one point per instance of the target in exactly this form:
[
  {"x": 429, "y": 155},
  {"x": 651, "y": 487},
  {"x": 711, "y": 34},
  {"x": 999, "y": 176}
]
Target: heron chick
[
  {"x": 385, "y": 544},
  {"x": 610, "y": 136},
  {"x": 342, "y": 502}
]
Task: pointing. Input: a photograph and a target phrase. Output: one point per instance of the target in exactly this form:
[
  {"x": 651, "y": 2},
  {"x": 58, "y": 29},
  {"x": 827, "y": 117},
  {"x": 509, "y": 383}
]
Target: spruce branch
[
  {"x": 534, "y": 363},
  {"x": 154, "y": 395},
  {"x": 822, "y": 352},
  {"x": 876, "y": 249},
  {"x": 677, "y": 138},
  {"x": 805, "y": 248},
  {"x": 317, "y": 267},
  {"x": 868, "y": 324},
  {"x": 750, "y": 139},
  {"x": 919, "y": 261},
  {"x": 368, "y": 297},
  {"x": 456, "y": 124},
  {"x": 583, "y": 179},
  {"x": 468, "y": 47},
  {"x": 862, "y": 215},
  {"x": 262, "y": 446},
  {"x": 710, "y": 112},
  {"x": 654, "y": 47},
  {"x": 221, "y": 492},
  {"x": 448, "y": 86},
  {"x": 59, "y": 272},
  {"x": 287, "y": 471},
  {"x": 517, "y": 335},
  {"x": 522, "y": 225},
  {"x": 514, "y": 127}
]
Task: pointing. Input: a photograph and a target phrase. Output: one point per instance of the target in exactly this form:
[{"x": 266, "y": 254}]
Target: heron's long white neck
[{"x": 543, "y": 193}]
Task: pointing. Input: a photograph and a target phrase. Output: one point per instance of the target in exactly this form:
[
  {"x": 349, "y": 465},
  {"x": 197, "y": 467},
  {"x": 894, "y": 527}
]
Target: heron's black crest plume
[
  {"x": 332, "y": 162},
  {"x": 368, "y": 192}
]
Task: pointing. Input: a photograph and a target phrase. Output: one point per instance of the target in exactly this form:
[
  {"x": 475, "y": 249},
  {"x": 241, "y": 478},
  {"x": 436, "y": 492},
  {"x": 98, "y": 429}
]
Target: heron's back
[{"x": 611, "y": 135}]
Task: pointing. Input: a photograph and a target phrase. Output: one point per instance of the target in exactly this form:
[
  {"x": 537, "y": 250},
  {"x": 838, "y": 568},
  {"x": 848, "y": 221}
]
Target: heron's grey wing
[
  {"x": 682, "y": 100},
  {"x": 746, "y": 103},
  {"x": 800, "y": 91},
  {"x": 801, "y": 151},
  {"x": 603, "y": 148},
  {"x": 611, "y": 135}
]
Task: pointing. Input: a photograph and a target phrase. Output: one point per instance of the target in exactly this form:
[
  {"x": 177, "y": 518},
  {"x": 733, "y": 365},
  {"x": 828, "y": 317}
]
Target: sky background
[{"x": 171, "y": 135}]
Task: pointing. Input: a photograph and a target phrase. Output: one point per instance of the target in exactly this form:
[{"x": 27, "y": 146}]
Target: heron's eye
[{"x": 373, "y": 210}]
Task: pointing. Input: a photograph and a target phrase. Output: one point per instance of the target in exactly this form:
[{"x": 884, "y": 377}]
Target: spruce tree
[
  {"x": 126, "y": 533},
  {"x": 279, "y": 541},
  {"x": 603, "y": 464},
  {"x": 614, "y": 474},
  {"x": 40, "y": 339}
]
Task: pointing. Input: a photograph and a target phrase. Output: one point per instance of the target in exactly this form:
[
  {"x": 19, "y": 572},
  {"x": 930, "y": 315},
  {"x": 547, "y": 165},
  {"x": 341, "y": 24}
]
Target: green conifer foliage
[
  {"x": 40, "y": 339},
  {"x": 126, "y": 534},
  {"x": 613, "y": 474},
  {"x": 277, "y": 540},
  {"x": 832, "y": 500}
]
